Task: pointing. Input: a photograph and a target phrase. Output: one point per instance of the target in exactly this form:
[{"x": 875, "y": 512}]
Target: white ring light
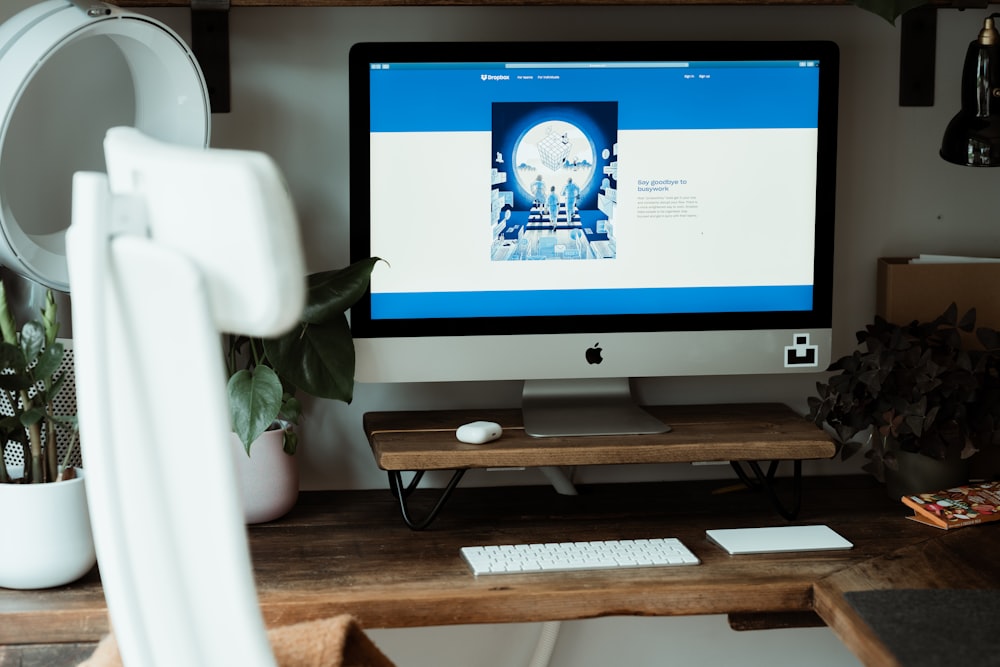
[{"x": 166, "y": 98}]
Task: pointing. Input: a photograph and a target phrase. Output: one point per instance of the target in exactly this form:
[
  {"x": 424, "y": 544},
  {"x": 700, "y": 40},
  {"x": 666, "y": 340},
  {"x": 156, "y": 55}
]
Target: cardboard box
[{"x": 908, "y": 292}]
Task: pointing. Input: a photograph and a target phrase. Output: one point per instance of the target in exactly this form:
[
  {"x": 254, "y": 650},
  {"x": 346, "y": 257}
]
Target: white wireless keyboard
[{"x": 573, "y": 556}]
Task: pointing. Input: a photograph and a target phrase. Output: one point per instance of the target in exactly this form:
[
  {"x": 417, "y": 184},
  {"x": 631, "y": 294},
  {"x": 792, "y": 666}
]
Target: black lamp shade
[{"x": 972, "y": 138}]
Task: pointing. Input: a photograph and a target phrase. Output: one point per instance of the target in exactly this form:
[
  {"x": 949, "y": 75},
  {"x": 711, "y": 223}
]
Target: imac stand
[{"x": 597, "y": 406}]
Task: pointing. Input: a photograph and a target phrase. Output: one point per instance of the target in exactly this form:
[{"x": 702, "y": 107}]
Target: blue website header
[
  {"x": 450, "y": 97},
  {"x": 671, "y": 64}
]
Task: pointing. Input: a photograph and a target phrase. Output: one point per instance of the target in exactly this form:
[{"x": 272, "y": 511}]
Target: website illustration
[{"x": 554, "y": 169}]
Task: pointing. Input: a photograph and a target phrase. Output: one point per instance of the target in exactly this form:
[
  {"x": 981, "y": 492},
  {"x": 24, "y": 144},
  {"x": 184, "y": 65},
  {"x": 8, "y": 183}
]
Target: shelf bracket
[
  {"x": 917, "y": 55},
  {"x": 402, "y": 492},
  {"x": 765, "y": 482},
  {"x": 210, "y": 43}
]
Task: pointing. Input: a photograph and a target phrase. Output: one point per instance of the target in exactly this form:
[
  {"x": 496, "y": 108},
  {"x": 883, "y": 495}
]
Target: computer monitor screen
[{"x": 576, "y": 214}]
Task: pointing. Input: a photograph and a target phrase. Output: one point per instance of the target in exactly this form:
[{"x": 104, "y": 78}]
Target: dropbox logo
[
  {"x": 800, "y": 353},
  {"x": 494, "y": 77}
]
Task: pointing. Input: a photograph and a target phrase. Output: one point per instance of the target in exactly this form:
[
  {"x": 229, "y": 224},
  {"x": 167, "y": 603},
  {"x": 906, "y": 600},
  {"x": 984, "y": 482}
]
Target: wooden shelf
[
  {"x": 745, "y": 432},
  {"x": 738, "y": 434},
  {"x": 210, "y": 30}
]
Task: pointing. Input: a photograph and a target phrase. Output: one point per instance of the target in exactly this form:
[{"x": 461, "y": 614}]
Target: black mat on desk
[{"x": 934, "y": 627}]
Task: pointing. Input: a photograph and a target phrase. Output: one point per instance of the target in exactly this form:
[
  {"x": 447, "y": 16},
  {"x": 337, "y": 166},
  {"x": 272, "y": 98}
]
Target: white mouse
[{"x": 479, "y": 432}]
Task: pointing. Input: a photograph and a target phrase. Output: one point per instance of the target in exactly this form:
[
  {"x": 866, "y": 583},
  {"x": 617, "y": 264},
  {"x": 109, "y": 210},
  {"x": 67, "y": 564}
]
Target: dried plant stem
[{"x": 70, "y": 449}]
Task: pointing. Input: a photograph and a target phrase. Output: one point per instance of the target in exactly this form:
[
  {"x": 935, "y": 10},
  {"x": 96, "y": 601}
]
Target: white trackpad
[{"x": 777, "y": 539}]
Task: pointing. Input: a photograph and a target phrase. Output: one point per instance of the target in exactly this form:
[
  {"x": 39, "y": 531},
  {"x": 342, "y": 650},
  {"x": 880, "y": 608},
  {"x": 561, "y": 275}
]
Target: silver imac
[{"x": 578, "y": 214}]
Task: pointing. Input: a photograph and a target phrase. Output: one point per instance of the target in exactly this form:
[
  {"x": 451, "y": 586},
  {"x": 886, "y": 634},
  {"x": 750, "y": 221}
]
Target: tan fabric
[
  {"x": 332, "y": 642},
  {"x": 329, "y": 642}
]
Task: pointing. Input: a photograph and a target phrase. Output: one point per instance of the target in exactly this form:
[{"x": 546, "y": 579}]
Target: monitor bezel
[{"x": 819, "y": 317}]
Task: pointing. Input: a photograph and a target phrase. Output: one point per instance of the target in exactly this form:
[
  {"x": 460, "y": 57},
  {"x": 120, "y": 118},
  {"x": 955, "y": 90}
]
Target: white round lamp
[{"x": 69, "y": 71}]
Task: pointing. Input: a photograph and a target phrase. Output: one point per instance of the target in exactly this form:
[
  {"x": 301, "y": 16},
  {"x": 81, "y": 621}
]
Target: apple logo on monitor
[{"x": 593, "y": 354}]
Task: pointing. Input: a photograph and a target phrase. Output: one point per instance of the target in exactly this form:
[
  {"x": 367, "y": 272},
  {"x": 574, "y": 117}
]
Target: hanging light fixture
[{"x": 972, "y": 138}]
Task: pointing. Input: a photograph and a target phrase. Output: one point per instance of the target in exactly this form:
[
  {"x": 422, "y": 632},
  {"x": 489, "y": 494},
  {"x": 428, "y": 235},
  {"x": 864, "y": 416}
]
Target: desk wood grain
[
  {"x": 962, "y": 559},
  {"x": 391, "y": 576},
  {"x": 348, "y": 551}
]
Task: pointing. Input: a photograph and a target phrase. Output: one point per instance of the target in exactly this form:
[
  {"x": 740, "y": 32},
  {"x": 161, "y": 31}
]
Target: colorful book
[{"x": 958, "y": 506}]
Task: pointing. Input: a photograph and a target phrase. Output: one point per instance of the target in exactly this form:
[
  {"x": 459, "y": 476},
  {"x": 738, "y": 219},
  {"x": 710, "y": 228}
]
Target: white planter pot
[
  {"x": 268, "y": 478},
  {"x": 46, "y": 534}
]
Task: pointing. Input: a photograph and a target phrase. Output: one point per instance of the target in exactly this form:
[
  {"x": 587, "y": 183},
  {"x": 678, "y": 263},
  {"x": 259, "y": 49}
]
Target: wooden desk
[{"x": 350, "y": 552}]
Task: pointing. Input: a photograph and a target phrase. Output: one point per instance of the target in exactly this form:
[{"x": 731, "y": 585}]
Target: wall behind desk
[{"x": 895, "y": 196}]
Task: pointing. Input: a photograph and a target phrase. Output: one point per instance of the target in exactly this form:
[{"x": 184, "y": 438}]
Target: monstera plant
[{"x": 316, "y": 357}]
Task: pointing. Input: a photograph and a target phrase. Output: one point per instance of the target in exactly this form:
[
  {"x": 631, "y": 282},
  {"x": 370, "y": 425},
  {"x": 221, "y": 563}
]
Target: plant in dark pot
[
  {"x": 44, "y": 525},
  {"x": 316, "y": 357},
  {"x": 910, "y": 396},
  {"x": 984, "y": 414}
]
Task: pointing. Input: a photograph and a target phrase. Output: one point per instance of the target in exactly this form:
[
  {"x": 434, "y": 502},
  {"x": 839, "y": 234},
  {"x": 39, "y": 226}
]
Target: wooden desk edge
[
  {"x": 831, "y": 605},
  {"x": 968, "y": 552}
]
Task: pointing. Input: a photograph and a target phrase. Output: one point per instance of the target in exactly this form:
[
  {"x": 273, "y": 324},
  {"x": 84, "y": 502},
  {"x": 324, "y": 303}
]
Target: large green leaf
[
  {"x": 11, "y": 358},
  {"x": 48, "y": 363},
  {"x": 14, "y": 382},
  {"x": 11, "y": 424},
  {"x": 317, "y": 358},
  {"x": 32, "y": 340},
  {"x": 32, "y": 416},
  {"x": 332, "y": 293},
  {"x": 254, "y": 400}
]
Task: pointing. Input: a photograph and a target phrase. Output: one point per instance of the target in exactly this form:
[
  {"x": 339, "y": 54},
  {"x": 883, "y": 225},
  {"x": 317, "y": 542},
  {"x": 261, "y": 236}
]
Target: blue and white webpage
[{"x": 514, "y": 189}]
